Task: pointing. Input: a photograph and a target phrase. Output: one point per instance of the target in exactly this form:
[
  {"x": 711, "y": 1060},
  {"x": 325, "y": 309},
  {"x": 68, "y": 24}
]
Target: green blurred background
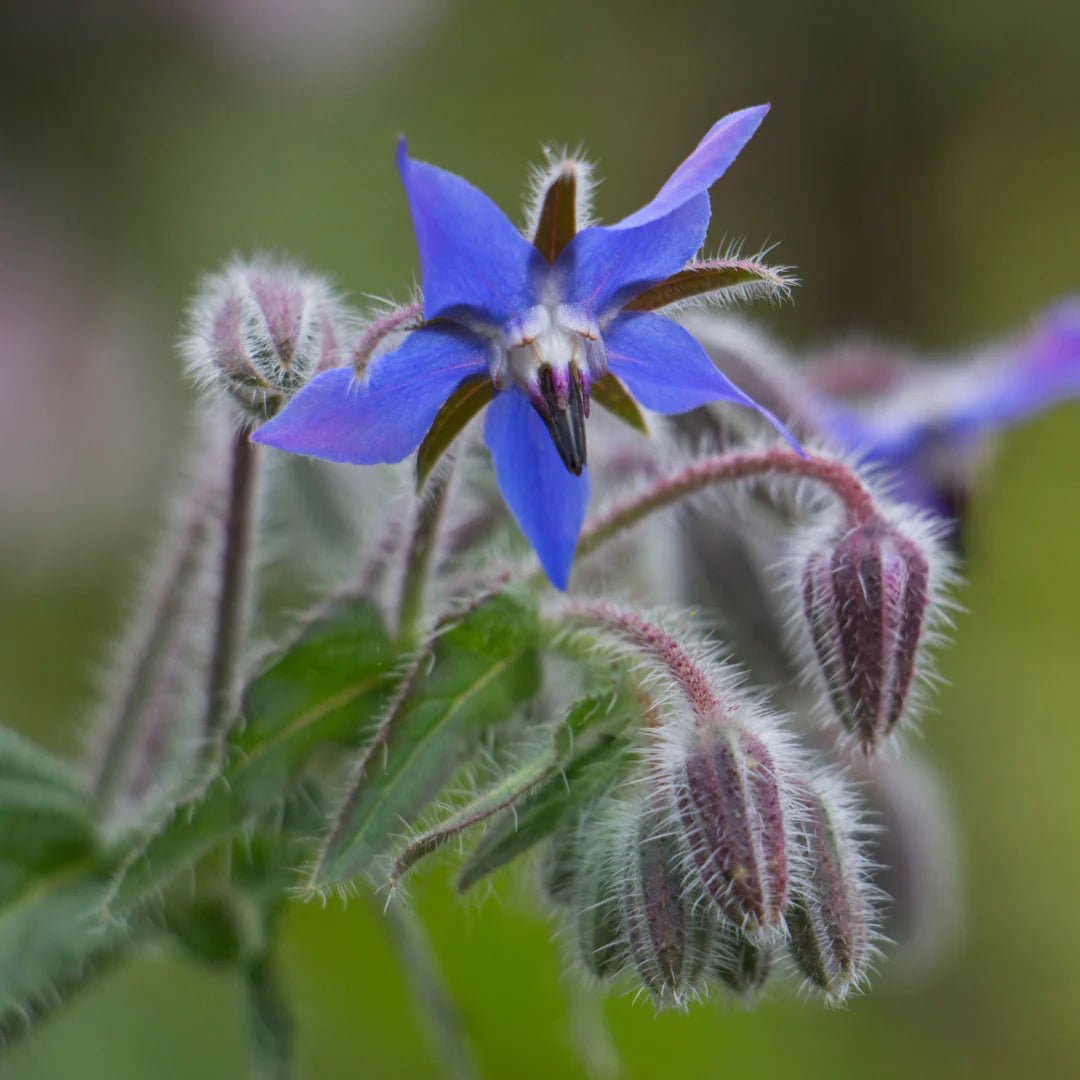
[{"x": 921, "y": 168}]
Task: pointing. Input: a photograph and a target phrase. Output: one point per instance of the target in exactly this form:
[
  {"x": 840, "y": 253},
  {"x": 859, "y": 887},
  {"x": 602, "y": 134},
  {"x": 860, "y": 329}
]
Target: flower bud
[
  {"x": 866, "y": 603},
  {"x": 259, "y": 332},
  {"x": 742, "y": 965},
  {"x": 734, "y": 822},
  {"x": 831, "y": 919},
  {"x": 667, "y": 933},
  {"x": 599, "y": 926}
]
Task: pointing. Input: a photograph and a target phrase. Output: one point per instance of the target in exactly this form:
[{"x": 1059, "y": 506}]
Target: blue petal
[
  {"x": 666, "y": 369},
  {"x": 605, "y": 266},
  {"x": 709, "y": 161},
  {"x": 384, "y": 418},
  {"x": 1044, "y": 368},
  {"x": 548, "y": 502},
  {"x": 1038, "y": 371},
  {"x": 473, "y": 260}
]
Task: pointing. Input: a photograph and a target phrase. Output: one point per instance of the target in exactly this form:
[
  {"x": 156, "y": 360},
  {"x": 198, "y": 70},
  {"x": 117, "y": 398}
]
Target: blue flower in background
[
  {"x": 537, "y": 328},
  {"x": 928, "y": 430}
]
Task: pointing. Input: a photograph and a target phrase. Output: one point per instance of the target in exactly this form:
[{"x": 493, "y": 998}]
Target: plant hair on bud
[{"x": 259, "y": 331}]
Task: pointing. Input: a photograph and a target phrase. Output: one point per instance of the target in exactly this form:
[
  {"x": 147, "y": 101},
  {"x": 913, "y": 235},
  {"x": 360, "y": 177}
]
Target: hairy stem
[
  {"x": 231, "y": 614},
  {"x": 726, "y": 468},
  {"x": 402, "y": 318},
  {"x": 144, "y": 674},
  {"x": 655, "y": 642}
]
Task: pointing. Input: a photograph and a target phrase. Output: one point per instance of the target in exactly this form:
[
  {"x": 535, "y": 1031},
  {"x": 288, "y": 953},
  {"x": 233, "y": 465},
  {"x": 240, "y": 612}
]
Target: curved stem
[
  {"x": 725, "y": 468},
  {"x": 379, "y": 329},
  {"x": 654, "y": 641}
]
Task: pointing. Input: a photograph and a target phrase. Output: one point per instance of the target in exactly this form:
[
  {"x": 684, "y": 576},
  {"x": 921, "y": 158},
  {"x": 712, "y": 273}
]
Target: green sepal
[
  {"x": 460, "y": 407},
  {"x": 712, "y": 277},
  {"x": 557, "y": 223},
  {"x": 610, "y": 392}
]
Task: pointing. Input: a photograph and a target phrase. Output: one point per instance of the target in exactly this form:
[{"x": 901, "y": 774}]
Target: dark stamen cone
[
  {"x": 564, "y": 414},
  {"x": 866, "y": 604},
  {"x": 831, "y": 917},
  {"x": 731, "y": 812}
]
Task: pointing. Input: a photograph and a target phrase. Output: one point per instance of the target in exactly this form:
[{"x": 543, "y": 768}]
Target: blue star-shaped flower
[{"x": 537, "y": 328}]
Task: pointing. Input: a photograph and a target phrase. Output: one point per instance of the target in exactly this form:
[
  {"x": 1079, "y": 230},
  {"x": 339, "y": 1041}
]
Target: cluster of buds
[
  {"x": 260, "y": 331},
  {"x": 728, "y": 849}
]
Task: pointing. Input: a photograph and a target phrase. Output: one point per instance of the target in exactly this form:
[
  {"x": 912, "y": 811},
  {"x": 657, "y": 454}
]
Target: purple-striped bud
[
  {"x": 740, "y": 964},
  {"x": 866, "y": 601},
  {"x": 259, "y": 332},
  {"x": 831, "y": 919},
  {"x": 668, "y": 934},
  {"x": 734, "y": 821}
]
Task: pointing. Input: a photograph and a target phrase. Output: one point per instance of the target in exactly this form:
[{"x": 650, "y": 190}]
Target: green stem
[
  {"x": 443, "y": 1025},
  {"x": 421, "y": 555}
]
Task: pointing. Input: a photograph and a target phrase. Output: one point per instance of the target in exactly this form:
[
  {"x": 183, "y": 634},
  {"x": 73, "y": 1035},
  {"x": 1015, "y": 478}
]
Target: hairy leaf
[
  {"x": 482, "y": 670},
  {"x": 325, "y": 690},
  {"x": 592, "y": 757},
  {"x": 46, "y": 817}
]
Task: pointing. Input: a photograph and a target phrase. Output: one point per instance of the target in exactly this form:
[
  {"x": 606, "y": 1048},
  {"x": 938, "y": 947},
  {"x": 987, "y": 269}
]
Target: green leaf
[
  {"x": 325, "y": 691},
  {"x": 46, "y": 817},
  {"x": 595, "y": 740},
  {"x": 49, "y": 932},
  {"x": 745, "y": 277},
  {"x": 461, "y": 406},
  {"x": 613, "y": 395},
  {"x": 482, "y": 670}
]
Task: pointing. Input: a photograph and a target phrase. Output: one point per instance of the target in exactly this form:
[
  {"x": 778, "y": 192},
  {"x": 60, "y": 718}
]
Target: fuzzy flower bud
[
  {"x": 668, "y": 934},
  {"x": 831, "y": 919},
  {"x": 866, "y": 600},
  {"x": 259, "y": 332},
  {"x": 734, "y": 820},
  {"x": 740, "y": 964},
  {"x": 599, "y": 927}
]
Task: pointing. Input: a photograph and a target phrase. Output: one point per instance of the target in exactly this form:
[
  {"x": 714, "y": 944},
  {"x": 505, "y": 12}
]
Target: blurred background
[{"x": 920, "y": 168}]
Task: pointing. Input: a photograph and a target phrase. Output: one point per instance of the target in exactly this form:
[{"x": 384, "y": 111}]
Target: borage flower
[
  {"x": 537, "y": 329},
  {"x": 931, "y": 429}
]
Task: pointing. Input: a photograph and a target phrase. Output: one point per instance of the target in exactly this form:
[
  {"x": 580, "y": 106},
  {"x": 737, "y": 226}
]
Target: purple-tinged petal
[
  {"x": 474, "y": 262},
  {"x": 1043, "y": 368},
  {"x": 668, "y": 371},
  {"x": 547, "y": 500},
  {"x": 708, "y": 162},
  {"x": 383, "y": 418},
  {"x": 954, "y": 406},
  {"x": 604, "y": 267}
]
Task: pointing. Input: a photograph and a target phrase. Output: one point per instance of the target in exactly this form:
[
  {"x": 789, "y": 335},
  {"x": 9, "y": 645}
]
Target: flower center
[{"x": 554, "y": 355}]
